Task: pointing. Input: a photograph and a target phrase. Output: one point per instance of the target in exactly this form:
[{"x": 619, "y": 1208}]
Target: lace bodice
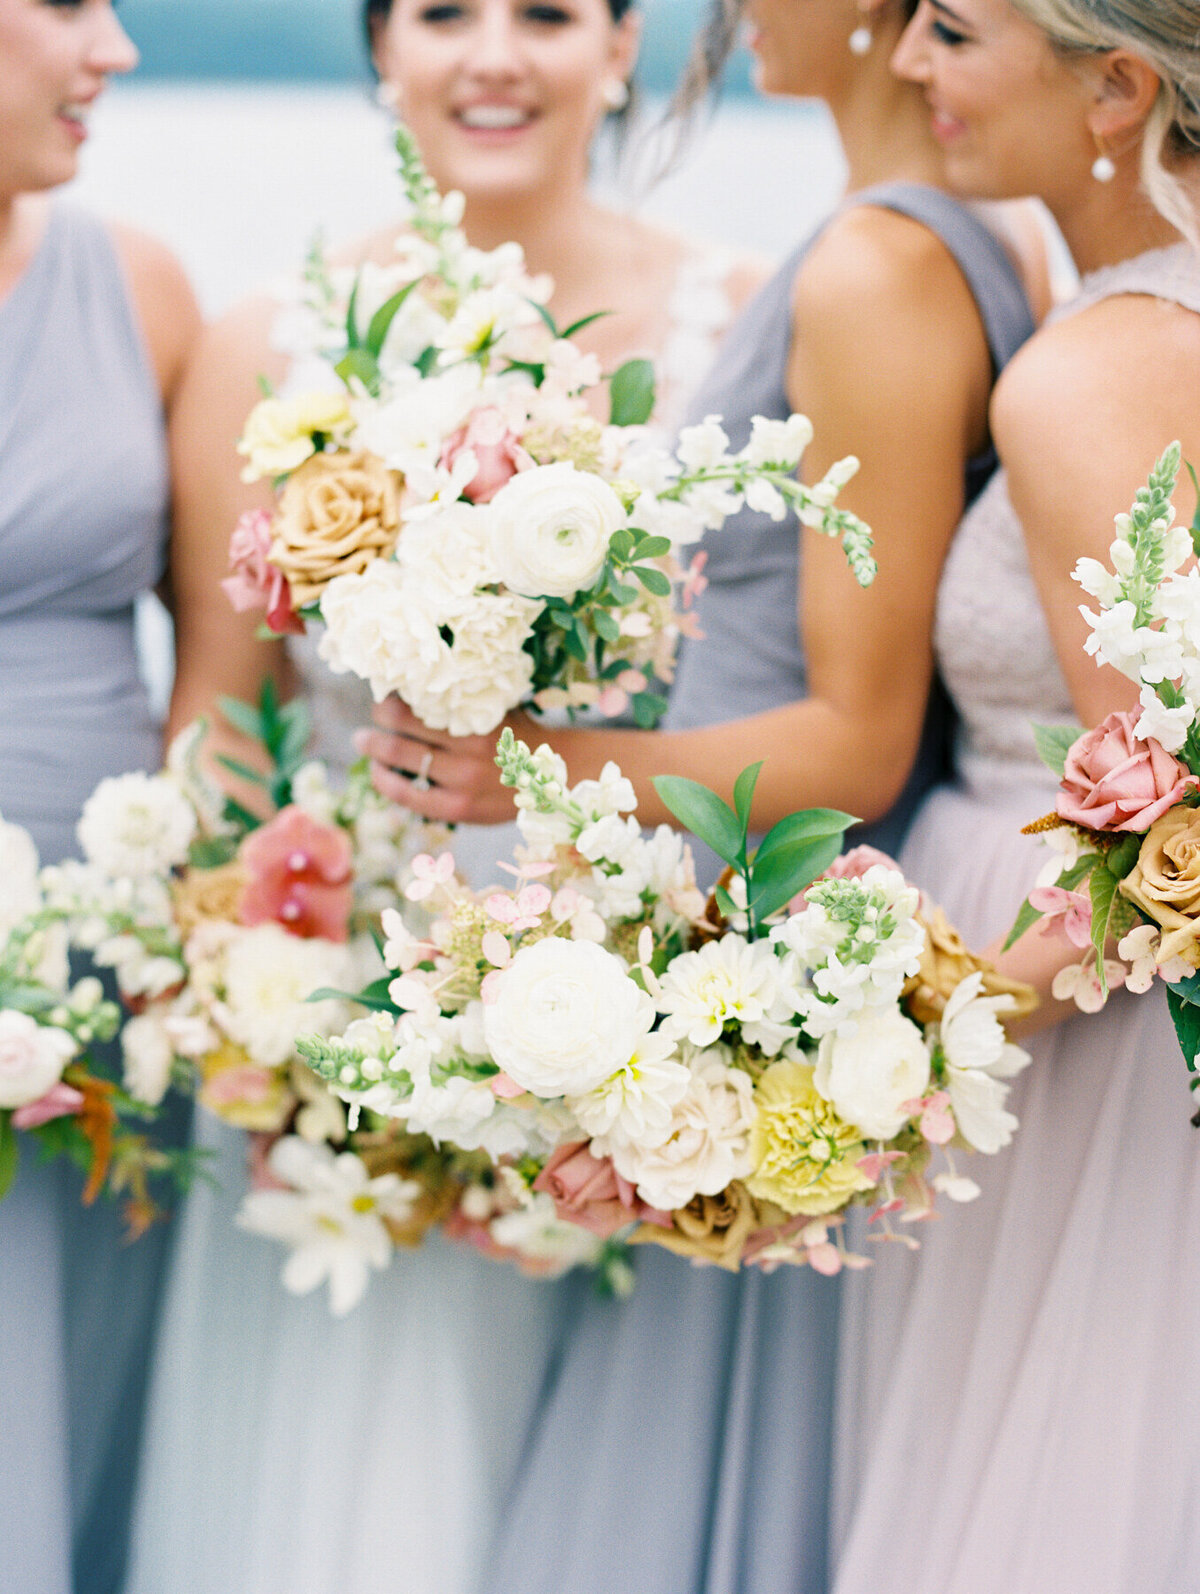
[{"x": 993, "y": 644}]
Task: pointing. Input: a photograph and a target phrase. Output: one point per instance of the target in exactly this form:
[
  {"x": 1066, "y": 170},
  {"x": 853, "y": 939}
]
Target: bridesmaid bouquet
[
  {"x": 469, "y": 535},
  {"x": 1126, "y": 826},
  {"x": 51, "y": 1092},
  {"x": 723, "y": 1079},
  {"x": 229, "y": 939}
]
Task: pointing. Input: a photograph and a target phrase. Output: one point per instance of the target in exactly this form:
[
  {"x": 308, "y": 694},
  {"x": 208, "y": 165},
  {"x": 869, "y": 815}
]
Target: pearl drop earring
[
  {"x": 614, "y": 91},
  {"x": 862, "y": 38},
  {"x": 387, "y": 97},
  {"x": 1103, "y": 167}
]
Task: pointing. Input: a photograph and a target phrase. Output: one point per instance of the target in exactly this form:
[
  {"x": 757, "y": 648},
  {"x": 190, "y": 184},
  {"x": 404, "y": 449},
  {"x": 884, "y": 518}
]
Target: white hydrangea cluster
[{"x": 137, "y": 825}]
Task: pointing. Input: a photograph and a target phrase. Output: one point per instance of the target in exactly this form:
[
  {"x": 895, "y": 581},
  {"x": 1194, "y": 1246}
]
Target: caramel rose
[
  {"x": 208, "y": 894},
  {"x": 945, "y": 962},
  {"x": 1165, "y": 882},
  {"x": 712, "y": 1229},
  {"x": 338, "y": 513}
]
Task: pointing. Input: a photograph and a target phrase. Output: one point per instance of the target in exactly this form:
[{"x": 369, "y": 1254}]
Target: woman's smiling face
[
  {"x": 1008, "y": 110},
  {"x": 55, "y": 57},
  {"x": 503, "y": 95}
]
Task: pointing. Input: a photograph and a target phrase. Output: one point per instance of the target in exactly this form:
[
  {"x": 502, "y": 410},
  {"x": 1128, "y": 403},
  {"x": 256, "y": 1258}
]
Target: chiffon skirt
[
  {"x": 289, "y": 1452},
  {"x": 1020, "y": 1403}
]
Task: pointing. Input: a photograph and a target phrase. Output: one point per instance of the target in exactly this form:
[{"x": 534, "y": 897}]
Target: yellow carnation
[
  {"x": 805, "y": 1156},
  {"x": 279, "y": 432}
]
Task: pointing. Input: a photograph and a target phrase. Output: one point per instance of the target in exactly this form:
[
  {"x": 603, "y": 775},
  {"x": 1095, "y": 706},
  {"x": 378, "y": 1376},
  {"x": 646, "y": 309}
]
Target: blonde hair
[{"x": 1166, "y": 35}]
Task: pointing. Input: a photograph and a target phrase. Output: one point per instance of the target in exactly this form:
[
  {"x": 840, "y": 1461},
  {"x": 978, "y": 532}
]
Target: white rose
[
  {"x": 32, "y": 1057},
  {"x": 867, "y": 1075},
  {"x": 708, "y": 1140},
  {"x": 565, "y": 1017},
  {"x": 550, "y": 530}
]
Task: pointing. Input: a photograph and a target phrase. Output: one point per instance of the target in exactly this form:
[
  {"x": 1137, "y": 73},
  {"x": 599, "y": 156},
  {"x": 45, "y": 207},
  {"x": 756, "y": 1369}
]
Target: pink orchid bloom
[
  {"x": 60, "y": 1101},
  {"x": 255, "y": 583},
  {"x": 1072, "y": 908},
  {"x": 301, "y": 874}
]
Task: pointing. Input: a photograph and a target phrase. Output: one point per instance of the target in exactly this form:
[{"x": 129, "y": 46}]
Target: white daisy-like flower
[
  {"x": 137, "y": 825},
  {"x": 332, "y": 1218},
  {"x": 730, "y": 981},
  {"x": 633, "y": 1106}
]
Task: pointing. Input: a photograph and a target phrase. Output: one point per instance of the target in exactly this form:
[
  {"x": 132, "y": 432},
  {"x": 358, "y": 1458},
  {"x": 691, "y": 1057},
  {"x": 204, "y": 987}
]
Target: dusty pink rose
[
  {"x": 255, "y": 583},
  {"x": 498, "y": 453},
  {"x": 590, "y": 1192},
  {"x": 1112, "y": 780},
  {"x": 299, "y": 876},
  {"x": 60, "y": 1101},
  {"x": 854, "y": 864}
]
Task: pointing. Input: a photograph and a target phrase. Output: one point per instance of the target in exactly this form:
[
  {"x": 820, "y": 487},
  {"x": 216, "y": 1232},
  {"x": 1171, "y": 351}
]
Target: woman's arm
[
  {"x": 1079, "y": 418},
  {"x": 890, "y": 362},
  {"x": 217, "y": 650}
]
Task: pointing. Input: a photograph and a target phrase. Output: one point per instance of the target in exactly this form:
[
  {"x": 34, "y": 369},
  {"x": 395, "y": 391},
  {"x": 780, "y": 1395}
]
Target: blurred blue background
[{"x": 320, "y": 41}]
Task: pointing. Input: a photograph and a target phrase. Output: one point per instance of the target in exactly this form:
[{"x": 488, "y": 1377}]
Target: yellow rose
[
  {"x": 945, "y": 962},
  {"x": 1165, "y": 882},
  {"x": 805, "y": 1156},
  {"x": 279, "y": 432},
  {"x": 244, "y": 1093},
  {"x": 713, "y": 1229},
  {"x": 207, "y": 894},
  {"x": 337, "y": 514}
]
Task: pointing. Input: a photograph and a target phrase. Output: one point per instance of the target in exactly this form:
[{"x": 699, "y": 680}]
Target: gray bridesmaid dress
[
  {"x": 684, "y": 1441},
  {"x": 83, "y": 521}
]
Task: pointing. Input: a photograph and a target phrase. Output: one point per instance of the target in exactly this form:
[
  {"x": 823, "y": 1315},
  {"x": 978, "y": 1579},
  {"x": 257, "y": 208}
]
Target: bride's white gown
[{"x": 288, "y": 1452}]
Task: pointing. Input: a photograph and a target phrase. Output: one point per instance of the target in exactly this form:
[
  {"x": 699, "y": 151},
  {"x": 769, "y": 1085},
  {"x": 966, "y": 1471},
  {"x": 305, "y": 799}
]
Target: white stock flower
[
  {"x": 633, "y": 1106},
  {"x": 1097, "y": 582},
  {"x": 312, "y": 792},
  {"x": 32, "y": 1057},
  {"x": 147, "y": 1049},
  {"x": 978, "y": 1056},
  {"x": 704, "y": 446},
  {"x": 550, "y": 529},
  {"x": 778, "y": 443},
  {"x": 728, "y": 981},
  {"x": 138, "y": 971},
  {"x": 21, "y": 895},
  {"x": 708, "y": 1144},
  {"x": 137, "y": 825},
  {"x": 268, "y": 977},
  {"x": 1167, "y": 726},
  {"x": 564, "y": 1017},
  {"x": 332, "y": 1218},
  {"x": 869, "y": 1074}
]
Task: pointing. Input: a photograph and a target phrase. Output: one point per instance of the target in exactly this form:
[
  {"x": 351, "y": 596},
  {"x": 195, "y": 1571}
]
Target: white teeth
[
  {"x": 75, "y": 113},
  {"x": 493, "y": 116}
]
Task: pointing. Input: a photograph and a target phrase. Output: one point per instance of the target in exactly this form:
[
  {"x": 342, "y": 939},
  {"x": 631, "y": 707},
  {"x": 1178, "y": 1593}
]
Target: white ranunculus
[
  {"x": 268, "y": 977},
  {"x": 32, "y": 1057},
  {"x": 550, "y": 530},
  {"x": 19, "y": 872},
  {"x": 565, "y": 1016},
  {"x": 867, "y": 1075},
  {"x": 148, "y": 1050},
  {"x": 708, "y": 1142},
  {"x": 137, "y": 825},
  {"x": 978, "y": 1056}
]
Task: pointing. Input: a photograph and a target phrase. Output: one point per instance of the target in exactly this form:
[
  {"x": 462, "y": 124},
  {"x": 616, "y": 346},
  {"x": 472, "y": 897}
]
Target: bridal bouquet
[
  {"x": 230, "y": 938},
  {"x": 469, "y": 535},
  {"x": 723, "y": 1079},
  {"x": 50, "y": 1090},
  {"x": 1126, "y": 826}
]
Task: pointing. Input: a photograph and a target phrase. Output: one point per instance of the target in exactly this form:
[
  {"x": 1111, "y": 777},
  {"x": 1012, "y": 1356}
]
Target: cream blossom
[
  {"x": 634, "y": 1104},
  {"x": 21, "y": 896},
  {"x": 136, "y": 824},
  {"x": 279, "y": 433},
  {"x": 452, "y": 546},
  {"x": 550, "y": 529},
  {"x": 536, "y": 1232},
  {"x": 978, "y": 1057},
  {"x": 268, "y": 977},
  {"x": 729, "y": 981},
  {"x": 564, "y": 1017},
  {"x": 32, "y": 1057},
  {"x": 148, "y": 1051},
  {"x": 870, "y": 1074}
]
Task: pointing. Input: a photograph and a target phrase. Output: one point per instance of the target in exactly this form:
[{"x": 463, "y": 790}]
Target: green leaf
[
  {"x": 606, "y": 625},
  {"x": 360, "y": 363},
  {"x": 1194, "y": 528},
  {"x": 621, "y": 543},
  {"x": 631, "y": 394},
  {"x": 267, "y": 388},
  {"x": 1104, "y": 894},
  {"x": 653, "y": 580},
  {"x": 243, "y": 717},
  {"x": 210, "y": 852},
  {"x": 726, "y": 903},
  {"x": 240, "y": 815},
  {"x": 806, "y": 825},
  {"x": 549, "y": 320},
  {"x": 649, "y": 547},
  {"x": 584, "y": 321},
  {"x": 648, "y": 709},
  {"x": 575, "y": 643},
  {"x": 1121, "y": 858},
  {"x": 1053, "y": 742},
  {"x": 621, "y": 590},
  {"x": 703, "y": 813},
  {"x": 1186, "y": 1018},
  {"x": 352, "y": 339},
  {"x": 788, "y": 869},
  {"x": 743, "y": 792},
  {"x": 1074, "y": 877},
  {"x": 382, "y": 320},
  {"x": 236, "y": 767},
  {"x": 1187, "y": 989},
  {"x": 10, "y": 1153},
  {"x": 379, "y": 1004},
  {"x": 1025, "y": 920},
  {"x": 426, "y": 361}
]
